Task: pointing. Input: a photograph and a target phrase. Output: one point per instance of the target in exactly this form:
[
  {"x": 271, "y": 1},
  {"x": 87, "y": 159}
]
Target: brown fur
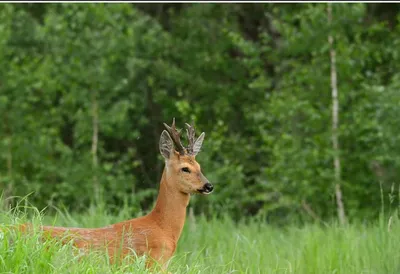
[{"x": 155, "y": 234}]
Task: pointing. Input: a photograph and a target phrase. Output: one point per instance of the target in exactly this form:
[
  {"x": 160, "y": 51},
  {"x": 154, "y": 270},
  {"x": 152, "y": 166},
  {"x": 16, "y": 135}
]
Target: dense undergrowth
[{"x": 214, "y": 245}]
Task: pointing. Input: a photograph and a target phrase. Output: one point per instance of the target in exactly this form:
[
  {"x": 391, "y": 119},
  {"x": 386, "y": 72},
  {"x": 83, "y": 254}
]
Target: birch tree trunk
[{"x": 335, "y": 125}]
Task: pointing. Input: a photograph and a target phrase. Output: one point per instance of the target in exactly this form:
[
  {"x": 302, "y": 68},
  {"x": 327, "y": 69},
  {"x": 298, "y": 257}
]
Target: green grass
[{"x": 216, "y": 246}]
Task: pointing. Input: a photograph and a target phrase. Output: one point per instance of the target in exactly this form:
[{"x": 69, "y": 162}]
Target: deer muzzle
[{"x": 207, "y": 187}]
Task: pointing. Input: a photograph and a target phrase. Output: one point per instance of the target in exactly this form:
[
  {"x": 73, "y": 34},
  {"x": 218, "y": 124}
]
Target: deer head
[{"x": 182, "y": 170}]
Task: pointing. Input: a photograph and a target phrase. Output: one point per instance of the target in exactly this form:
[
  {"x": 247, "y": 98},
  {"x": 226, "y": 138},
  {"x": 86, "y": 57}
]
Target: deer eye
[{"x": 185, "y": 169}]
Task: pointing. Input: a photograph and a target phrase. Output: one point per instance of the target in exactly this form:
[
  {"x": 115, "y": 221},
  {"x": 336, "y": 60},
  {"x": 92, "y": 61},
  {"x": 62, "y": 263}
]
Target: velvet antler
[{"x": 175, "y": 136}]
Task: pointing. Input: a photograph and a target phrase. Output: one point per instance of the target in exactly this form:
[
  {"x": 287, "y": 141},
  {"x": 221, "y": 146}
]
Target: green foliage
[
  {"x": 255, "y": 78},
  {"x": 214, "y": 246}
]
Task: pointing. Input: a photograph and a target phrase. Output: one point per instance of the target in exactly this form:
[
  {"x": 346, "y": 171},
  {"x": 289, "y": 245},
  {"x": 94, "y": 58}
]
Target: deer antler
[
  {"x": 175, "y": 136},
  {"x": 190, "y": 134}
]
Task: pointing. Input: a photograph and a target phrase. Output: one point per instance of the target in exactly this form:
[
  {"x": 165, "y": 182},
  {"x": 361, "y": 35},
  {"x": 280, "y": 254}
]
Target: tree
[{"x": 335, "y": 124}]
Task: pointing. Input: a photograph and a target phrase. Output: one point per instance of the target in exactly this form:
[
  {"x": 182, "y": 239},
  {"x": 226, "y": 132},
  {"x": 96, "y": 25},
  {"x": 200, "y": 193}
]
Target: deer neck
[{"x": 170, "y": 209}]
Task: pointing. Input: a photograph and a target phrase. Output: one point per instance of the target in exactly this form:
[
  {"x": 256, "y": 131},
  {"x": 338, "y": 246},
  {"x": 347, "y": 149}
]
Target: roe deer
[{"x": 157, "y": 233}]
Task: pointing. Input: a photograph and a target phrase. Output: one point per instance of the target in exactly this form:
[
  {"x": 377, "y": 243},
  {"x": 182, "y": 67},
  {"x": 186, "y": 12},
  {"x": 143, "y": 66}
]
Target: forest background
[{"x": 85, "y": 88}]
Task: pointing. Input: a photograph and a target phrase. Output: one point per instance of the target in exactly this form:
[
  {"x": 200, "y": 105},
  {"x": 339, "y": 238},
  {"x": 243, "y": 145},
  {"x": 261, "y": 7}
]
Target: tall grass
[{"x": 213, "y": 246}]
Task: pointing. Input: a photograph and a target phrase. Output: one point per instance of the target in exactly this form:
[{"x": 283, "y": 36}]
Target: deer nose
[{"x": 208, "y": 187}]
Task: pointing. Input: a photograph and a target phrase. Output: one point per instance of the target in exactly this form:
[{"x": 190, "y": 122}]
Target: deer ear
[
  {"x": 166, "y": 145},
  {"x": 197, "y": 145}
]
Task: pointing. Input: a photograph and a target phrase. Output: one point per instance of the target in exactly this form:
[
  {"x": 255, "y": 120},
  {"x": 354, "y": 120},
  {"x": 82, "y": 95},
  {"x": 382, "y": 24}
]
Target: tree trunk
[
  {"x": 335, "y": 125},
  {"x": 9, "y": 187},
  {"x": 8, "y": 183},
  {"x": 95, "y": 138}
]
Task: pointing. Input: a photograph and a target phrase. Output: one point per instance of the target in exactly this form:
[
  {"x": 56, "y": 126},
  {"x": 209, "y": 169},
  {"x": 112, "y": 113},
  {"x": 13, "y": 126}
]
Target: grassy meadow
[{"x": 214, "y": 246}]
